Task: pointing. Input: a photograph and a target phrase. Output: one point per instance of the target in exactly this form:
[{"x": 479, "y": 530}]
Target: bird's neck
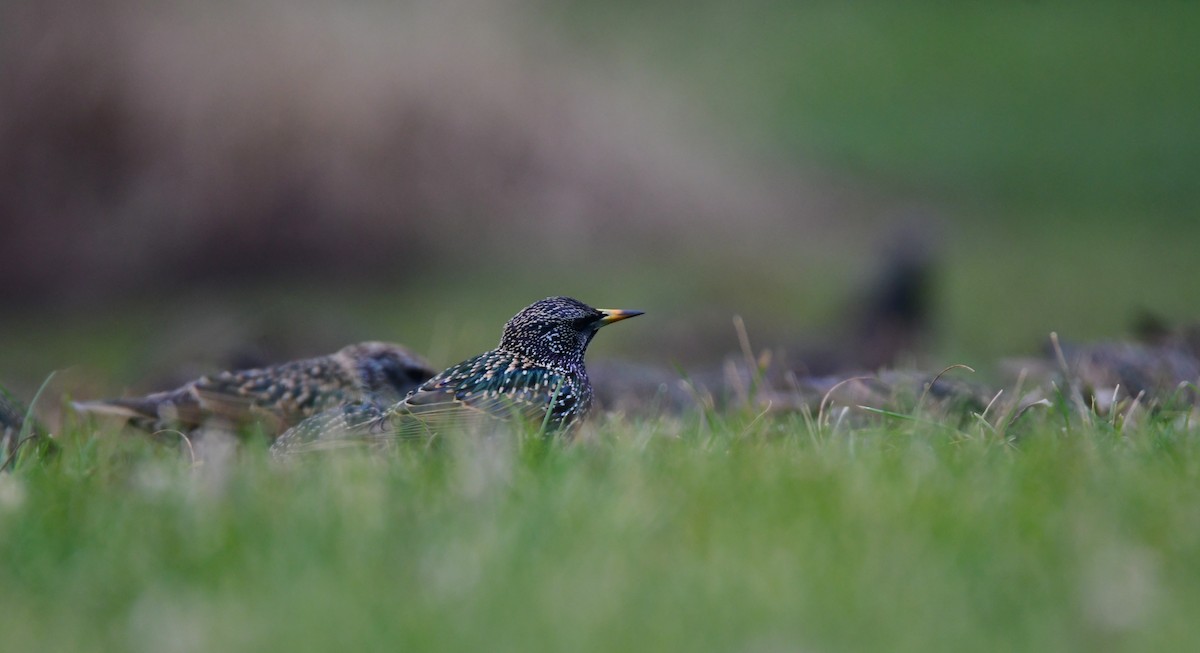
[{"x": 572, "y": 365}]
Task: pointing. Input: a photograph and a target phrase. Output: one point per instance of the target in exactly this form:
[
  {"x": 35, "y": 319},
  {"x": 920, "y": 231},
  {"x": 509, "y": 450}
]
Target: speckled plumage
[
  {"x": 537, "y": 373},
  {"x": 279, "y": 396}
]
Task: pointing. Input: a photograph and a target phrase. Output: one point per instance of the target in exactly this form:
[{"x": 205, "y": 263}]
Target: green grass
[{"x": 722, "y": 533}]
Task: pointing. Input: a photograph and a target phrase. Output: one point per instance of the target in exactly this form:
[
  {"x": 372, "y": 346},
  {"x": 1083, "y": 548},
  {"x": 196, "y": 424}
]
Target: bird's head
[
  {"x": 556, "y": 331},
  {"x": 385, "y": 368}
]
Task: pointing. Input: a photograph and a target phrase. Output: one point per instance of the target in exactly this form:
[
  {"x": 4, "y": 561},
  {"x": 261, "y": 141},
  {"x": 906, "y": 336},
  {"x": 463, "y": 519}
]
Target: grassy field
[{"x": 718, "y": 533}]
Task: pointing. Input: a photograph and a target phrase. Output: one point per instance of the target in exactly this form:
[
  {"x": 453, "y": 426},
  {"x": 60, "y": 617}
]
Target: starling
[
  {"x": 281, "y": 395},
  {"x": 536, "y": 373}
]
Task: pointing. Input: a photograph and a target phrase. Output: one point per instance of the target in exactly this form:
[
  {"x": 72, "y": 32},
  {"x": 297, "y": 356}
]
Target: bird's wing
[
  {"x": 448, "y": 404},
  {"x": 369, "y": 423},
  {"x": 290, "y": 392},
  {"x": 350, "y": 424},
  {"x": 464, "y": 398},
  {"x": 223, "y": 398}
]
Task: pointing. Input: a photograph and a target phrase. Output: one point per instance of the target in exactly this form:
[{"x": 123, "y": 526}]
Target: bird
[
  {"x": 278, "y": 396},
  {"x": 536, "y": 373}
]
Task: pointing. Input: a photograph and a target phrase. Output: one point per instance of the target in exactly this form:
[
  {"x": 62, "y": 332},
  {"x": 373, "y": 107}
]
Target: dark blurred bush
[{"x": 144, "y": 149}]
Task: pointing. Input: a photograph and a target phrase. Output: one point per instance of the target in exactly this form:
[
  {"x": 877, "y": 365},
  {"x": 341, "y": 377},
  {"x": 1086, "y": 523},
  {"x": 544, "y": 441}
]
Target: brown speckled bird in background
[
  {"x": 537, "y": 373},
  {"x": 277, "y": 397}
]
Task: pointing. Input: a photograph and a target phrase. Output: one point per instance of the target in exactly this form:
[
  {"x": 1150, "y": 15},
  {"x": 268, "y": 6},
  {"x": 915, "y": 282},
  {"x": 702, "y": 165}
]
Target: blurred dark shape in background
[
  {"x": 149, "y": 150},
  {"x": 12, "y": 419},
  {"x": 20, "y": 433},
  {"x": 891, "y": 320},
  {"x": 896, "y": 316},
  {"x": 1161, "y": 368},
  {"x": 889, "y": 323},
  {"x": 1154, "y": 329},
  {"x": 1130, "y": 369}
]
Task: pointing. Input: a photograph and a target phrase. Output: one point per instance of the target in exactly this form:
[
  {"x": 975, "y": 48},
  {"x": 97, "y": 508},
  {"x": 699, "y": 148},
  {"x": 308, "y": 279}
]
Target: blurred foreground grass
[{"x": 731, "y": 533}]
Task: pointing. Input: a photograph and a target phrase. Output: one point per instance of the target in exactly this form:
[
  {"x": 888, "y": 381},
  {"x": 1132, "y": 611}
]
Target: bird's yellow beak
[{"x": 615, "y": 315}]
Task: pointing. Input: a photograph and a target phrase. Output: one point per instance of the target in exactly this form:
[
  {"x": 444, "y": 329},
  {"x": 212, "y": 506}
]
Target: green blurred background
[{"x": 185, "y": 184}]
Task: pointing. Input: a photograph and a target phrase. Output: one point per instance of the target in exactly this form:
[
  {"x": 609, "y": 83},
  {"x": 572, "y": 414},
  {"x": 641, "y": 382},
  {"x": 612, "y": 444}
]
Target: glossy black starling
[
  {"x": 536, "y": 373},
  {"x": 279, "y": 396}
]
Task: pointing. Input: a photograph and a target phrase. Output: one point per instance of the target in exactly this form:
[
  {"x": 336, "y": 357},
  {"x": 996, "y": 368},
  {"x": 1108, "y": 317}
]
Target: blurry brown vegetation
[{"x": 146, "y": 150}]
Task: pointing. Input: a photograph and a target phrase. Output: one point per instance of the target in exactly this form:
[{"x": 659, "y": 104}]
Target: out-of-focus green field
[
  {"x": 1056, "y": 145},
  {"x": 1044, "y": 106},
  {"x": 1057, "y": 140},
  {"x": 734, "y": 533}
]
